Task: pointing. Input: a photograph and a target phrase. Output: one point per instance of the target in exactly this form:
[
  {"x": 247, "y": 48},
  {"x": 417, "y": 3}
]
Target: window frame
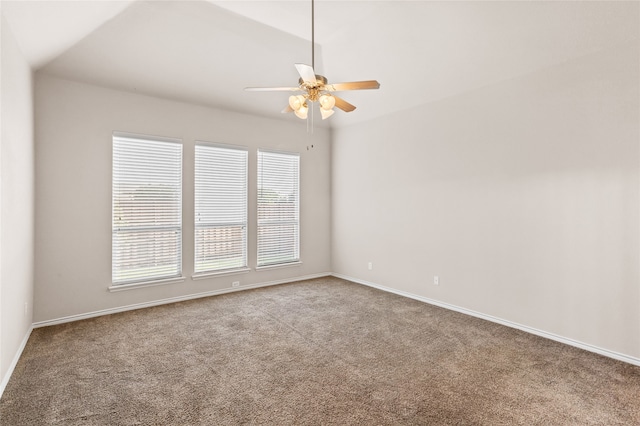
[
  {"x": 202, "y": 273},
  {"x": 296, "y": 259},
  {"x": 176, "y": 182}
]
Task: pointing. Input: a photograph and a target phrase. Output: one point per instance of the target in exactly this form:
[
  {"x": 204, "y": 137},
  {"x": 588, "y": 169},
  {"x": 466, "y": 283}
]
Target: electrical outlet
[
  {"x": 436, "y": 280},
  {"x": 370, "y": 266},
  {"x": 26, "y": 308},
  {"x": 235, "y": 284}
]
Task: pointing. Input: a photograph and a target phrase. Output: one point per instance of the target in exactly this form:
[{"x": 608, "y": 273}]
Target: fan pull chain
[{"x": 310, "y": 122}]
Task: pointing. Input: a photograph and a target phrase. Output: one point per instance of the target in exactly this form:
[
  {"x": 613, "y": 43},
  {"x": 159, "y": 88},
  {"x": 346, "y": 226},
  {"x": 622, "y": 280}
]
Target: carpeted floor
[{"x": 323, "y": 351}]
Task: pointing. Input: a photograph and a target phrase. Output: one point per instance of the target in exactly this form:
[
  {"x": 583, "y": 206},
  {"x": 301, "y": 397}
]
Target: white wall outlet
[
  {"x": 235, "y": 284},
  {"x": 436, "y": 280},
  {"x": 26, "y": 308},
  {"x": 370, "y": 265}
]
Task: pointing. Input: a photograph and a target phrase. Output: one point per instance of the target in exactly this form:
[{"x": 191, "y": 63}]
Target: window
[
  {"x": 278, "y": 208},
  {"x": 147, "y": 209},
  {"x": 220, "y": 208}
]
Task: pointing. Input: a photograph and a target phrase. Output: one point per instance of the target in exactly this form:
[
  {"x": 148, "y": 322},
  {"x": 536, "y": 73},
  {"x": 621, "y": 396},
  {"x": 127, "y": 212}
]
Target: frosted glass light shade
[
  {"x": 326, "y": 113},
  {"x": 296, "y": 102},
  {"x": 301, "y": 112},
  {"x": 327, "y": 102}
]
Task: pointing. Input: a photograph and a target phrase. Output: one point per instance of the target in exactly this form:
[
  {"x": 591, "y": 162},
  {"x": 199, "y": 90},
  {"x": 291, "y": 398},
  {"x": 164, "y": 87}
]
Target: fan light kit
[{"x": 316, "y": 88}]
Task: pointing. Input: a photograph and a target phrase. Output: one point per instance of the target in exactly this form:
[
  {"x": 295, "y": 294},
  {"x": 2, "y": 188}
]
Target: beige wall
[
  {"x": 16, "y": 200},
  {"x": 523, "y": 197},
  {"x": 74, "y": 124}
]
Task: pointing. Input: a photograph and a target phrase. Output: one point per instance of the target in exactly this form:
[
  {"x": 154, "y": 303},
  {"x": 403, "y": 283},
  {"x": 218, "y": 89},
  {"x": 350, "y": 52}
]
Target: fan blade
[
  {"x": 307, "y": 73},
  {"x": 353, "y": 85},
  {"x": 344, "y": 105},
  {"x": 287, "y": 109},
  {"x": 272, "y": 89}
]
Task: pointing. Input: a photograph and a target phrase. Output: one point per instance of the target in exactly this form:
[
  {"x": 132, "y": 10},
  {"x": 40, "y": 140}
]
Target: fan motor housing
[{"x": 320, "y": 79}]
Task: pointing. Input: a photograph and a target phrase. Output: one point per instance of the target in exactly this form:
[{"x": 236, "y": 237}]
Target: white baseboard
[
  {"x": 14, "y": 362},
  {"x": 551, "y": 336},
  {"x": 605, "y": 352},
  {"x": 110, "y": 311}
]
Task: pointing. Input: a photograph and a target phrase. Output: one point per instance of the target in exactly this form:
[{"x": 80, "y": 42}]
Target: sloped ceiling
[{"x": 206, "y": 52}]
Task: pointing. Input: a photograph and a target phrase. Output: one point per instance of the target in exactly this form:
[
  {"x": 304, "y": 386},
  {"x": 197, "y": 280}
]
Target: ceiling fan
[{"x": 316, "y": 88}]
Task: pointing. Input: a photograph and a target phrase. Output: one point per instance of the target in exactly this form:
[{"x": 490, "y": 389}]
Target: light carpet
[{"x": 323, "y": 351}]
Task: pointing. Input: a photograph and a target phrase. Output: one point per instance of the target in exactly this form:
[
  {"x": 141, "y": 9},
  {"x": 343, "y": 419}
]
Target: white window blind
[
  {"x": 220, "y": 208},
  {"x": 278, "y": 208},
  {"x": 147, "y": 209}
]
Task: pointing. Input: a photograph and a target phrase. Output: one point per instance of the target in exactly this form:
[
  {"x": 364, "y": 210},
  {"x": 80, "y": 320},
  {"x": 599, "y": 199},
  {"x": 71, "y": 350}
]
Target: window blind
[
  {"x": 146, "y": 206},
  {"x": 278, "y": 208},
  {"x": 220, "y": 208}
]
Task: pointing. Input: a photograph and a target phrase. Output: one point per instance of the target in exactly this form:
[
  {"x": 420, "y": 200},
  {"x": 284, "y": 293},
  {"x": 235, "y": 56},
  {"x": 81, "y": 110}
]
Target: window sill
[
  {"x": 278, "y": 266},
  {"x": 204, "y": 275},
  {"x": 133, "y": 286}
]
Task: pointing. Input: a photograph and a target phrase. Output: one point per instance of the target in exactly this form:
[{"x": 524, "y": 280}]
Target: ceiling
[{"x": 206, "y": 52}]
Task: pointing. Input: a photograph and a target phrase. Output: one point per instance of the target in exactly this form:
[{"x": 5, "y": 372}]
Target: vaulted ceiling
[{"x": 206, "y": 52}]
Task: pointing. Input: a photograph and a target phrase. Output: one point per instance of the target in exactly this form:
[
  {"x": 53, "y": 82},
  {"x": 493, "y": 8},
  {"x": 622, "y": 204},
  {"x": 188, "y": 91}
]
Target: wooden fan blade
[
  {"x": 287, "y": 109},
  {"x": 344, "y": 105},
  {"x": 272, "y": 89},
  {"x": 353, "y": 85},
  {"x": 306, "y": 73}
]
